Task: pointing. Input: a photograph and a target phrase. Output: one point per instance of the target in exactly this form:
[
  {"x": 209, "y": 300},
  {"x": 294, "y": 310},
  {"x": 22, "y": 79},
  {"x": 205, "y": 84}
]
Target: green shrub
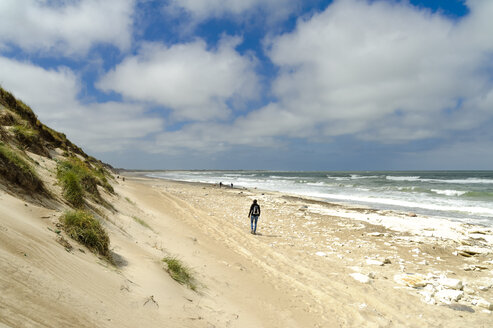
[
  {"x": 84, "y": 228},
  {"x": 180, "y": 272},
  {"x": 18, "y": 171}
]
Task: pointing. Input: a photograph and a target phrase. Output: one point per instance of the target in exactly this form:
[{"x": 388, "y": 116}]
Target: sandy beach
[{"x": 312, "y": 264}]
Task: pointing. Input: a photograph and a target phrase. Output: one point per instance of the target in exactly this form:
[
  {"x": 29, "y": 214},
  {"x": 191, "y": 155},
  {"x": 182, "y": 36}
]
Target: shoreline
[
  {"x": 402, "y": 221},
  {"x": 366, "y": 250},
  {"x": 428, "y": 196}
]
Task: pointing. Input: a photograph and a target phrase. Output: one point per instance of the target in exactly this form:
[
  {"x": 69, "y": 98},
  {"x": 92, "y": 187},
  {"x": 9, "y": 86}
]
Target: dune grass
[
  {"x": 79, "y": 178},
  {"x": 179, "y": 272},
  {"x": 16, "y": 170},
  {"x": 142, "y": 222},
  {"x": 84, "y": 228},
  {"x": 71, "y": 182},
  {"x": 72, "y": 189},
  {"x": 129, "y": 200},
  {"x": 25, "y": 133}
]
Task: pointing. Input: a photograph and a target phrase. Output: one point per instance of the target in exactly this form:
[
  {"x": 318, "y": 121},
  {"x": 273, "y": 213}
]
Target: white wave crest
[
  {"x": 357, "y": 176},
  {"x": 449, "y": 192},
  {"x": 397, "y": 178}
]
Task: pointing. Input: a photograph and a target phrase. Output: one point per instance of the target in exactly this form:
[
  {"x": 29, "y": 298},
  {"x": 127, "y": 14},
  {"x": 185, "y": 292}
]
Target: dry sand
[{"x": 295, "y": 273}]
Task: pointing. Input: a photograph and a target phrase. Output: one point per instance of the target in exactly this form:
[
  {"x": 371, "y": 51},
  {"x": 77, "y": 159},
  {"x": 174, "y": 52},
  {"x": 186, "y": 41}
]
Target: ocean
[{"x": 465, "y": 196}]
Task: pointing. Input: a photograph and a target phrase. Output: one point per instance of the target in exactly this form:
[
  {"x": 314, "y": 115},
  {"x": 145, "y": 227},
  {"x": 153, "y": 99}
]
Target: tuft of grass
[
  {"x": 7, "y": 118},
  {"x": 179, "y": 272},
  {"x": 142, "y": 222},
  {"x": 84, "y": 228},
  {"x": 129, "y": 200},
  {"x": 71, "y": 181},
  {"x": 72, "y": 189},
  {"x": 29, "y": 138},
  {"x": 25, "y": 134},
  {"x": 16, "y": 170}
]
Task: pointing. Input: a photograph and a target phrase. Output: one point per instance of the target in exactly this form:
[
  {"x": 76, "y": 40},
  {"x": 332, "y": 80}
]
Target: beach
[{"x": 312, "y": 263}]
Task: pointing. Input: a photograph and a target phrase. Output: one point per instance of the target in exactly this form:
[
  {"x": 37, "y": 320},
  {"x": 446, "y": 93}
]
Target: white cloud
[
  {"x": 380, "y": 71},
  {"x": 383, "y": 71},
  {"x": 196, "y": 83},
  {"x": 52, "y": 94},
  {"x": 65, "y": 27},
  {"x": 199, "y": 10}
]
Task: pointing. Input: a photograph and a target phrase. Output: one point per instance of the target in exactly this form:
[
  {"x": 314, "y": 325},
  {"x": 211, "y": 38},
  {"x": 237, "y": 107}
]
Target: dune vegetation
[
  {"x": 79, "y": 178},
  {"x": 18, "y": 171},
  {"x": 83, "y": 227},
  {"x": 180, "y": 272}
]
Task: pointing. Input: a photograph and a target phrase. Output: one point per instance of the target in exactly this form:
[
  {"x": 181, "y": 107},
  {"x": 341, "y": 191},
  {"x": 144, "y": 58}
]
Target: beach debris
[
  {"x": 374, "y": 262},
  {"x": 125, "y": 286},
  {"x": 473, "y": 250},
  {"x": 62, "y": 241},
  {"x": 150, "y": 300},
  {"x": 485, "y": 284},
  {"x": 414, "y": 280},
  {"x": 375, "y": 234},
  {"x": 363, "y": 278},
  {"x": 478, "y": 230},
  {"x": 451, "y": 283},
  {"x": 449, "y": 295},
  {"x": 474, "y": 267},
  {"x": 322, "y": 254},
  {"x": 428, "y": 292},
  {"x": 481, "y": 302},
  {"x": 476, "y": 236},
  {"x": 439, "y": 289}
]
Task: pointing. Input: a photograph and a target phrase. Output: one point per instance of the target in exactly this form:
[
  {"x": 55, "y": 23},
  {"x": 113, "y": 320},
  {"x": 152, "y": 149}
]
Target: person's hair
[{"x": 255, "y": 201}]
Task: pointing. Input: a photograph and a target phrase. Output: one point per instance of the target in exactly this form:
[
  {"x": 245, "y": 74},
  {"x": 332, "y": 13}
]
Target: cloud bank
[
  {"x": 381, "y": 71},
  {"x": 68, "y": 28},
  {"x": 383, "y": 74},
  {"x": 194, "y": 82}
]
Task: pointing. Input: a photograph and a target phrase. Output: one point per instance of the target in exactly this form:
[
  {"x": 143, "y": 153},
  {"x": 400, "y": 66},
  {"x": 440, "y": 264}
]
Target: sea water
[{"x": 465, "y": 196}]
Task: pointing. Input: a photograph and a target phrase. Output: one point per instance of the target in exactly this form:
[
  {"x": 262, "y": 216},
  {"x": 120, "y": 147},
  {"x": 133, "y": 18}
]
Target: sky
[{"x": 259, "y": 84}]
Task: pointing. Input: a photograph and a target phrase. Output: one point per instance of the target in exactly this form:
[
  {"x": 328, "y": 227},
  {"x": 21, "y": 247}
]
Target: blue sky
[{"x": 255, "y": 84}]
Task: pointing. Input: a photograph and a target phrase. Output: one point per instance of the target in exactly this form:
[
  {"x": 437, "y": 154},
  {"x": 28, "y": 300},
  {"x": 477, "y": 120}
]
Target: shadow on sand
[{"x": 270, "y": 236}]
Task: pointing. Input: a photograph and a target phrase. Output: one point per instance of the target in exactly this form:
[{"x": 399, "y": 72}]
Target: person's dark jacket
[{"x": 251, "y": 209}]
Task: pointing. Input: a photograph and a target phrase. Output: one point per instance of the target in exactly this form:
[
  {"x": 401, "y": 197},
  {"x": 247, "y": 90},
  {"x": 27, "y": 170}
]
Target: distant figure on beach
[
  {"x": 220, "y": 184},
  {"x": 231, "y": 184},
  {"x": 253, "y": 215}
]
